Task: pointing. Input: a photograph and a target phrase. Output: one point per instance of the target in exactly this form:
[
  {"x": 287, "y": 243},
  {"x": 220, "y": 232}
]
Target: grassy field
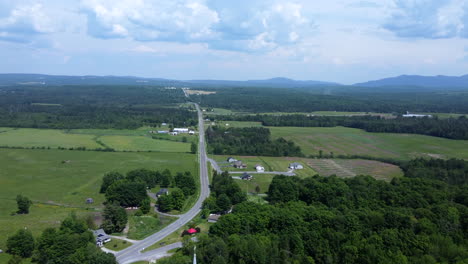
[
  {"x": 30, "y": 137},
  {"x": 120, "y": 140},
  {"x": 345, "y": 168},
  {"x": 261, "y": 180},
  {"x": 139, "y": 143},
  {"x": 59, "y": 188},
  {"x": 348, "y": 141},
  {"x": 143, "y": 226},
  {"x": 238, "y": 124},
  {"x": 117, "y": 244}
]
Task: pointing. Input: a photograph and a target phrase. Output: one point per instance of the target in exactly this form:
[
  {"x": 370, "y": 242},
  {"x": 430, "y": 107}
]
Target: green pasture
[
  {"x": 139, "y": 143},
  {"x": 30, "y": 137},
  {"x": 59, "y": 181},
  {"x": 261, "y": 180},
  {"x": 120, "y": 140},
  {"x": 238, "y": 124},
  {"x": 143, "y": 226},
  {"x": 349, "y": 141}
]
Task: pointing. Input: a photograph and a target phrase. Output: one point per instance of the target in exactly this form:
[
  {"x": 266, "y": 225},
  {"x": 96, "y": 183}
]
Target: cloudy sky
[{"x": 345, "y": 41}]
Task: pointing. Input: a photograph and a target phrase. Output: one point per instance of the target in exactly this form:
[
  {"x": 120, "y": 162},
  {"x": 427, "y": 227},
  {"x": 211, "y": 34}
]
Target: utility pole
[{"x": 195, "y": 255}]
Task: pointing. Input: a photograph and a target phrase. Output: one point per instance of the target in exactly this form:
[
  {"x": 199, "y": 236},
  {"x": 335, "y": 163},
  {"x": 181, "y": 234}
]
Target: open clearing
[
  {"x": 350, "y": 141},
  {"x": 59, "y": 188},
  {"x": 345, "y": 168},
  {"x": 120, "y": 140},
  {"x": 199, "y": 92},
  {"x": 238, "y": 124}
]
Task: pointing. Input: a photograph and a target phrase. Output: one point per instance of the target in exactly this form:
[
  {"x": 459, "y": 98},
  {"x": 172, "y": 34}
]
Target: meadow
[
  {"x": 350, "y": 141},
  {"x": 58, "y": 188},
  {"x": 120, "y": 140}
]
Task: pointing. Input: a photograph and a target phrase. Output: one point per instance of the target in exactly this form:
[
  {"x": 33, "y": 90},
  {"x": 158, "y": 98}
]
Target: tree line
[
  {"x": 248, "y": 141},
  {"x": 453, "y": 128},
  {"x": 420, "y": 219},
  {"x": 391, "y": 100},
  {"x": 69, "y": 107}
]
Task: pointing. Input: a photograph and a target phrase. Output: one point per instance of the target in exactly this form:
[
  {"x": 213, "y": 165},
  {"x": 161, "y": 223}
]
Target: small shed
[
  {"x": 89, "y": 200},
  {"x": 231, "y": 160}
]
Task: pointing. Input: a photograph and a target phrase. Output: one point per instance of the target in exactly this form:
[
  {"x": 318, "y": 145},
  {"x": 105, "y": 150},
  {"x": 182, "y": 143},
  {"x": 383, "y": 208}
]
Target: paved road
[{"x": 132, "y": 253}]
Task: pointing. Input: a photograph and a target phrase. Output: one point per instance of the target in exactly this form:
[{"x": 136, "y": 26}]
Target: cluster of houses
[{"x": 416, "y": 115}]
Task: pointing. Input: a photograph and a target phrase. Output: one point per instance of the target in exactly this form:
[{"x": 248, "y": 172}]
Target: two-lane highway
[{"x": 133, "y": 253}]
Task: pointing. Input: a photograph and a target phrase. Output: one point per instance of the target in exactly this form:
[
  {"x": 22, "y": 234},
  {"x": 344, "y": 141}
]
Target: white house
[
  {"x": 191, "y": 132},
  {"x": 181, "y": 130},
  {"x": 231, "y": 160},
  {"x": 259, "y": 168},
  {"x": 174, "y": 133},
  {"x": 296, "y": 166}
]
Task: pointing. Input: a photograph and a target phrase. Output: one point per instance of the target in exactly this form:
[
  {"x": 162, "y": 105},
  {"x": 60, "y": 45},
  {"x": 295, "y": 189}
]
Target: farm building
[
  {"x": 164, "y": 124},
  {"x": 239, "y": 165},
  {"x": 213, "y": 218},
  {"x": 181, "y": 130},
  {"x": 174, "y": 133},
  {"x": 163, "y": 191},
  {"x": 246, "y": 177},
  {"x": 191, "y": 132},
  {"x": 231, "y": 160},
  {"x": 163, "y": 132},
  {"x": 259, "y": 168},
  {"x": 296, "y": 166}
]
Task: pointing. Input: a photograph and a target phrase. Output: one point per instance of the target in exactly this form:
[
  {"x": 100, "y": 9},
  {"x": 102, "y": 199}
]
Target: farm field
[
  {"x": 138, "y": 143},
  {"x": 350, "y": 141},
  {"x": 238, "y": 124},
  {"x": 143, "y": 226},
  {"x": 120, "y": 140},
  {"x": 280, "y": 164},
  {"x": 58, "y": 188},
  {"x": 345, "y": 168}
]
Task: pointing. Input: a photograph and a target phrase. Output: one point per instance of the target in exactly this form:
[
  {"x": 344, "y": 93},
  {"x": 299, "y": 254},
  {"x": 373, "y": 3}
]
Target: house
[
  {"x": 174, "y": 133},
  {"x": 164, "y": 124},
  {"x": 191, "y": 132},
  {"x": 163, "y": 132},
  {"x": 101, "y": 237},
  {"x": 259, "y": 168},
  {"x": 239, "y": 165},
  {"x": 191, "y": 231},
  {"x": 246, "y": 177},
  {"x": 89, "y": 200},
  {"x": 181, "y": 130},
  {"x": 231, "y": 160},
  {"x": 296, "y": 166},
  {"x": 213, "y": 218},
  {"x": 163, "y": 191}
]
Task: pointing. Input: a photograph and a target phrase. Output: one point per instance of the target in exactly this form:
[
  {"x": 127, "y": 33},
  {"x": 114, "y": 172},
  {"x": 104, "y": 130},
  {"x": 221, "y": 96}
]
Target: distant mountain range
[
  {"x": 403, "y": 80},
  {"x": 422, "y": 81}
]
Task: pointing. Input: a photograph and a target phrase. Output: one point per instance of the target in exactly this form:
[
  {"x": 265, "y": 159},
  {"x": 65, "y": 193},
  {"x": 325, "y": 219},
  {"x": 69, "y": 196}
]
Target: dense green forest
[
  {"x": 259, "y": 100},
  {"x": 453, "y": 128},
  {"x": 420, "y": 218},
  {"x": 248, "y": 141},
  {"x": 67, "y": 107}
]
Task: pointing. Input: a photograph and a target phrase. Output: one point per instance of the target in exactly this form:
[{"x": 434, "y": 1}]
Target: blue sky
[{"x": 344, "y": 41}]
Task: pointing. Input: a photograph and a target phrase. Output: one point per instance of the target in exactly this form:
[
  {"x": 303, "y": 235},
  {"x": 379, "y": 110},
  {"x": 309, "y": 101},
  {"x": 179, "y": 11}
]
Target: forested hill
[{"x": 422, "y": 81}]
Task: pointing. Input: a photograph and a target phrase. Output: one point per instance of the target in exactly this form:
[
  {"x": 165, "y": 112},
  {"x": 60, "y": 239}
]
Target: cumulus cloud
[
  {"x": 145, "y": 20},
  {"x": 257, "y": 25},
  {"x": 429, "y": 18},
  {"x": 25, "y": 21}
]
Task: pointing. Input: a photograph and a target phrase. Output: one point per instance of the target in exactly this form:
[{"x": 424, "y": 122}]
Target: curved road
[{"x": 133, "y": 253}]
